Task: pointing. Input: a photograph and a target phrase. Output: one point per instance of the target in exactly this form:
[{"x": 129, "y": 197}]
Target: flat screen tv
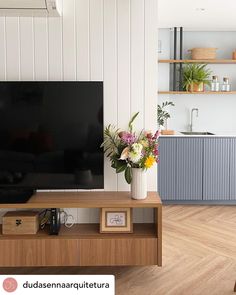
[{"x": 50, "y": 135}]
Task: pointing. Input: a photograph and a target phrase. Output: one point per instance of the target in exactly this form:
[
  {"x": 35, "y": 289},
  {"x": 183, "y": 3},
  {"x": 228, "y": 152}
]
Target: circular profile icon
[{"x": 10, "y": 285}]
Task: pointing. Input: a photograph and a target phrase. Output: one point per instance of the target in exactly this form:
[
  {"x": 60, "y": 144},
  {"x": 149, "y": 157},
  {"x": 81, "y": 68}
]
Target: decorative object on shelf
[
  {"x": 139, "y": 183},
  {"x": 163, "y": 115},
  {"x": 195, "y": 77},
  {"x": 225, "y": 86},
  {"x": 215, "y": 85},
  {"x": 20, "y": 223},
  {"x": 203, "y": 53},
  {"x": 55, "y": 221},
  {"x": 116, "y": 220},
  {"x": 129, "y": 149}
]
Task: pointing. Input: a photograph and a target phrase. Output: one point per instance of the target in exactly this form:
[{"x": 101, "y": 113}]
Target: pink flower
[
  {"x": 148, "y": 134},
  {"x": 156, "y": 152},
  {"x": 128, "y": 138},
  {"x": 156, "y": 135}
]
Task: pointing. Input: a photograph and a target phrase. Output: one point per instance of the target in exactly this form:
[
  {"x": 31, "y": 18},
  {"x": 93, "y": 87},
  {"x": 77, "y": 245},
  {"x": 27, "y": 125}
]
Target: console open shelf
[
  {"x": 83, "y": 245},
  {"x": 90, "y": 231}
]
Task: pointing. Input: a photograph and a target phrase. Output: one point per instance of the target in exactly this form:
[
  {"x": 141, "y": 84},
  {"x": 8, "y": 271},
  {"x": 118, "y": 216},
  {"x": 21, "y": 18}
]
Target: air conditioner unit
[{"x": 29, "y": 8}]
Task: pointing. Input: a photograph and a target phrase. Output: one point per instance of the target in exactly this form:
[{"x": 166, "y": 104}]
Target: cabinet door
[
  {"x": 232, "y": 180},
  {"x": 189, "y": 154},
  {"x": 216, "y": 169},
  {"x": 167, "y": 168}
]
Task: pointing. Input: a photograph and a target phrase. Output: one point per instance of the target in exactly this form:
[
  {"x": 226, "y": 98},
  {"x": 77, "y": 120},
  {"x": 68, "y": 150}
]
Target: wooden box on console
[{"x": 20, "y": 223}]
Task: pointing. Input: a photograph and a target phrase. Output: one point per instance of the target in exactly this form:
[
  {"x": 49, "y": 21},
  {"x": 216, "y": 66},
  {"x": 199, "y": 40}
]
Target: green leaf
[
  {"x": 121, "y": 168},
  {"x": 128, "y": 175},
  {"x": 113, "y": 165},
  {"x": 131, "y": 121},
  {"x": 195, "y": 73},
  {"x": 120, "y": 165},
  {"x": 162, "y": 114}
]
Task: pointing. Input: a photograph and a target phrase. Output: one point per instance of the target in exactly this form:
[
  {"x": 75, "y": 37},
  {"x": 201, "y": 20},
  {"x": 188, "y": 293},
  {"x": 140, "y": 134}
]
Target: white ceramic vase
[{"x": 139, "y": 184}]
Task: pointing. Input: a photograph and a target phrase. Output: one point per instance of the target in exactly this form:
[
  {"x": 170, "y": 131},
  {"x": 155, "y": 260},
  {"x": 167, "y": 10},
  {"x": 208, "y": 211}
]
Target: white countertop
[{"x": 179, "y": 134}]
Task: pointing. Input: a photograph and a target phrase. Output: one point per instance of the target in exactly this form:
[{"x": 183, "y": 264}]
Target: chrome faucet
[{"x": 191, "y": 118}]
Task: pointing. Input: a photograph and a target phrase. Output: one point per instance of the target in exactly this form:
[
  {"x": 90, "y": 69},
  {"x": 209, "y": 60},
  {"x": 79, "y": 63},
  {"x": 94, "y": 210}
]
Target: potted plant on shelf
[
  {"x": 132, "y": 153},
  {"x": 162, "y": 116},
  {"x": 195, "y": 77}
]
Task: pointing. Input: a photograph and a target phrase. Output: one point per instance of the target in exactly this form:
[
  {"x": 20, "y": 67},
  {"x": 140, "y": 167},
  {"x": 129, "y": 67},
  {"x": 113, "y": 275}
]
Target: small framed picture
[{"x": 116, "y": 220}]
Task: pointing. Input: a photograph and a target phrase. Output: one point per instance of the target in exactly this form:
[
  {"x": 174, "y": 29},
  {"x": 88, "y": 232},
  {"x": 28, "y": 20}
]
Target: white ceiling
[{"x": 216, "y": 15}]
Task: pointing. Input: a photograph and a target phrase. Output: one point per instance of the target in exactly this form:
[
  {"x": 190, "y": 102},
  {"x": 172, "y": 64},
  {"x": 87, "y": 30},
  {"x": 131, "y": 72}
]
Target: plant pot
[
  {"x": 194, "y": 87},
  {"x": 139, "y": 184}
]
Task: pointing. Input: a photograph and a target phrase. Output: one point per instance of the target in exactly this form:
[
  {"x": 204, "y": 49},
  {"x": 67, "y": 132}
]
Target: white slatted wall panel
[
  {"x": 150, "y": 84},
  {"x": 55, "y": 48},
  {"x": 123, "y": 71},
  {"x": 12, "y": 48},
  {"x": 69, "y": 42},
  {"x": 110, "y": 80},
  {"x": 114, "y": 41},
  {"x": 83, "y": 39},
  {"x": 3, "y": 49},
  {"x": 26, "y": 48},
  {"x": 137, "y": 69},
  {"x": 41, "y": 48}
]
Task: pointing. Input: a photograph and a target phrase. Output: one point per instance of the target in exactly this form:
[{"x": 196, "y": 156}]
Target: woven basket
[{"x": 203, "y": 53}]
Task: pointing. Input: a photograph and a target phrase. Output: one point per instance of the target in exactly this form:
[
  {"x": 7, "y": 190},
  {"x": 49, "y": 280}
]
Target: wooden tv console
[{"x": 83, "y": 245}]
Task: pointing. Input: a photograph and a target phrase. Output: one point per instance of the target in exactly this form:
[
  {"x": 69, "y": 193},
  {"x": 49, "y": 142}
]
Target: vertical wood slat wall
[{"x": 114, "y": 41}]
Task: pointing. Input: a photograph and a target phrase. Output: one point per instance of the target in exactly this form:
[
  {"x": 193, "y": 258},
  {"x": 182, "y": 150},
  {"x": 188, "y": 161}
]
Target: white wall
[
  {"x": 216, "y": 112},
  {"x": 114, "y": 41}
]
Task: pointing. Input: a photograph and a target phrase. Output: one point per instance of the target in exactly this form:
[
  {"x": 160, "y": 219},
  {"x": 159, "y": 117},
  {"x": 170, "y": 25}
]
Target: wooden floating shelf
[
  {"x": 199, "y": 93},
  {"x": 203, "y": 61}
]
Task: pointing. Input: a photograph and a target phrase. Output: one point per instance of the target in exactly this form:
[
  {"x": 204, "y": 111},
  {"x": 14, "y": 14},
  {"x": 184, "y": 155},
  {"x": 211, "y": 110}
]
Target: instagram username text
[{"x": 74, "y": 285}]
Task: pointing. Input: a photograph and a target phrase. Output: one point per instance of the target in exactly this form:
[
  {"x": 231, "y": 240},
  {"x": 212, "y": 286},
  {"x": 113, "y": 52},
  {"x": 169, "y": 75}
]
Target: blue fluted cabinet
[
  {"x": 197, "y": 169},
  {"x": 167, "y": 168},
  {"x": 216, "y": 168},
  {"x": 232, "y": 178},
  {"x": 189, "y": 158}
]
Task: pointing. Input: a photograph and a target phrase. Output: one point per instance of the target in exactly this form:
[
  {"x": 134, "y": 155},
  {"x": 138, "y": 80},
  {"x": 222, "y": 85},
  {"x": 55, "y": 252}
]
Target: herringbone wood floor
[{"x": 199, "y": 256}]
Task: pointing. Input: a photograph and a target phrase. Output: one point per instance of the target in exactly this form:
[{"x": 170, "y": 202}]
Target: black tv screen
[{"x": 50, "y": 135}]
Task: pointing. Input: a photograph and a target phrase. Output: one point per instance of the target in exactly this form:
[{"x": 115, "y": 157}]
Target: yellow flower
[{"x": 149, "y": 162}]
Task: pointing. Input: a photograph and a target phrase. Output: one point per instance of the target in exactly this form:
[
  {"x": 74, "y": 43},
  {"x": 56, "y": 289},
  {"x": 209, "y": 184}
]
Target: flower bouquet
[{"x": 128, "y": 149}]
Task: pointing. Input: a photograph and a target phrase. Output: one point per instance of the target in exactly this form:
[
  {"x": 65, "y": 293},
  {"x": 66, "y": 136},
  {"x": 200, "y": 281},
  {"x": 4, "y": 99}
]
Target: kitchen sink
[{"x": 197, "y": 133}]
